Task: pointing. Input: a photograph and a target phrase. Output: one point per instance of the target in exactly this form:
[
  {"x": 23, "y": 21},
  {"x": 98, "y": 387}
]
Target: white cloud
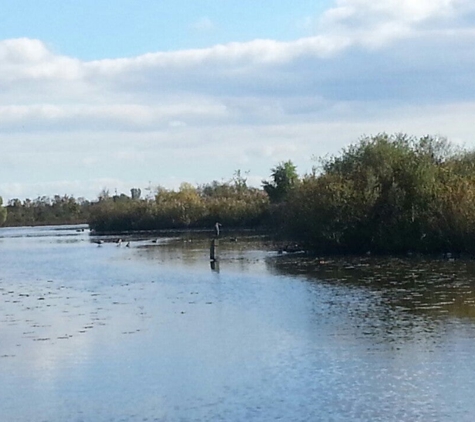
[
  {"x": 23, "y": 50},
  {"x": 377, "y": 23},
  {"x": 29, "y": 59},
  {"x": 395, "y": 10},
  {"x": 204, "y": 24}
]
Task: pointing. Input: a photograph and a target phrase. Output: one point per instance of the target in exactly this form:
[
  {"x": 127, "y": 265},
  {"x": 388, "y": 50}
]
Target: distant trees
[
  {"x": 3, "y": 212},
  {"x": 232, "y": 203},
  {"x": 44, "y": 210}
]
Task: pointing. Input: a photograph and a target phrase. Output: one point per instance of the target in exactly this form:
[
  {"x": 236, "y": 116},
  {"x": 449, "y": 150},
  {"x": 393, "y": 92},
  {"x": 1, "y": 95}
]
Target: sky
[{"x": 119, "y": 94}]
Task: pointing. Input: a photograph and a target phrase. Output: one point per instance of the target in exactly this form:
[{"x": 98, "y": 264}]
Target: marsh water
[{"x": 153, "y": 332}]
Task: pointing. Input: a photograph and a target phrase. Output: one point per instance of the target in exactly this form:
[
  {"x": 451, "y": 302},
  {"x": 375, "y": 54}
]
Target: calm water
[{"x": 151, "y": 332}]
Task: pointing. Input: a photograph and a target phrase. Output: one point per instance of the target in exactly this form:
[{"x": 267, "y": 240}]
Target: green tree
[{"x": 284, "y": 179}]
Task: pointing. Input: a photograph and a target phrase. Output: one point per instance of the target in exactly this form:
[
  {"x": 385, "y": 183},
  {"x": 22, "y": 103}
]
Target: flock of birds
[{"x": 118, "y": 242}]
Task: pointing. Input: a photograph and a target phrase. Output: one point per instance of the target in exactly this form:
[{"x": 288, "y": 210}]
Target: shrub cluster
[
  {"x": 387, "y": 194},
  {"x": 233, "y": 205}
]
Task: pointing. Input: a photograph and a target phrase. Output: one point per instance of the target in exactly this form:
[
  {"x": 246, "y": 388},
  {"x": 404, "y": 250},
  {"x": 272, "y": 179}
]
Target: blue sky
[
  {"x": 129, "y": 94},
  {"x": 98, "y": 29}
]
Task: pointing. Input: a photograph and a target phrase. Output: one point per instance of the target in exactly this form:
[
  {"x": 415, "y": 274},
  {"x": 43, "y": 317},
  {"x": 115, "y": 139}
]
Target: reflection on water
[
  {"x": 430, "y": 287},
  {"x": 155, "y": 331},
  {"x": 214, "y": 265}
]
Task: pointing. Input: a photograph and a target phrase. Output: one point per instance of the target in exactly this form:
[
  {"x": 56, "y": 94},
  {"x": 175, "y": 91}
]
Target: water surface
[{"x": 151, "y": 332}]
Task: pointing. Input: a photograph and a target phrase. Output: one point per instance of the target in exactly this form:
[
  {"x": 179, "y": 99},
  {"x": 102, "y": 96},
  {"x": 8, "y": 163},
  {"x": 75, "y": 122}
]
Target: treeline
[
  {"x": 386, "y": 194},
  {"x": 383, "y": 194},
  {"x": 46, "y": 211},
  {"x": 233, "y": 204}
]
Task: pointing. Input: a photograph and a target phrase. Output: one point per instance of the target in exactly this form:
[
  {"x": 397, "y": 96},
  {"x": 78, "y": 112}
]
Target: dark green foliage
[
  {"x": 44, "y": 210},
  {"x": 284, "y": 179}
]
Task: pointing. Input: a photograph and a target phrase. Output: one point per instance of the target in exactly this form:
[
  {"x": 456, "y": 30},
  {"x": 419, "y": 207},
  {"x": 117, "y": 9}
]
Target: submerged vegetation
[{"x": 383, "y": 194}]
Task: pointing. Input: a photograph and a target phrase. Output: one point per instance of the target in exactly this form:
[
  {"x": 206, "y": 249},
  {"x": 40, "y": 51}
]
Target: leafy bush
[{"x": 387, "y": 194}]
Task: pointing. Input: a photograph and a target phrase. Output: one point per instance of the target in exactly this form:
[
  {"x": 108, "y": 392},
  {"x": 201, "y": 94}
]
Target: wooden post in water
[{"x": 213, "y": 250}]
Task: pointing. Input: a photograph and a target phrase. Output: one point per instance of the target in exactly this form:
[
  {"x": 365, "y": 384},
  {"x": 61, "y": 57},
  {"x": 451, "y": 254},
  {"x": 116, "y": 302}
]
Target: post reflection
[{"x": 214, "y": 266}]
